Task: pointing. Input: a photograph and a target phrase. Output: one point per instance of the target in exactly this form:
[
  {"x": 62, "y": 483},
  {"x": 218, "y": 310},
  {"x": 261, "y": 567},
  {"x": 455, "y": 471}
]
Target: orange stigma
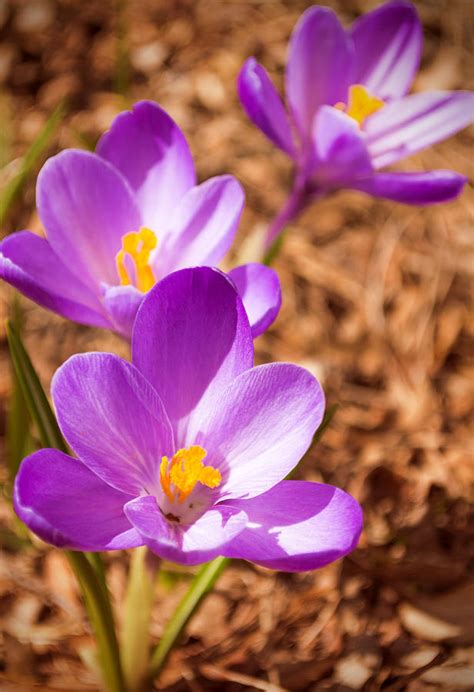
[
  {"x": 361, "y": 104},
  {"x": 138, "y": 246},
  {"x": 180, "y": 476}
]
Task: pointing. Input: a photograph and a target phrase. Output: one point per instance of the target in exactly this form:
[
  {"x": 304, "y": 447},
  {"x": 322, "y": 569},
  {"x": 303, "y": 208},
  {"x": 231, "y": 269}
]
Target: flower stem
[
  {"x": 200, "y": 586},
  {"x": 294, "y": 205},
  {"x": 137, "y": 613}
]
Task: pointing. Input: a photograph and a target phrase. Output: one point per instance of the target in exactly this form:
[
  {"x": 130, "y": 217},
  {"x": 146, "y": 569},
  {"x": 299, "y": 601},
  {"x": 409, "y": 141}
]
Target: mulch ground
[{"x": 377, "y": 301}]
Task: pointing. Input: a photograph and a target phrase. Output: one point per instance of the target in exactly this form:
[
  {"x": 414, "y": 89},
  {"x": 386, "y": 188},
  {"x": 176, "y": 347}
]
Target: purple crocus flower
[
  {"x": 186, "y": 449},
  {"x": 348, "y": 114},
  {"x": 119, "y": 220}
]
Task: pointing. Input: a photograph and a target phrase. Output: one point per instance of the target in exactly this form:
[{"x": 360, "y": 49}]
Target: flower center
[
  {"x": 179, "y": 476},
  {"x": 133, "y": 260},
  {"x": 361, "y": 104}
]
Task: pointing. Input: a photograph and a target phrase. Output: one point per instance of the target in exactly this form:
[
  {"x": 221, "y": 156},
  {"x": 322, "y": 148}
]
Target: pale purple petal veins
[
  {"x": 122, "y": 303},
  {"x": 297, "y": 526},
  {"x": 86, "y": 206},
  {"x": 340, "y": 151},
  {"x": 415, "y": 122},
  {"x": 388, "y": 43},
  {"x": 431, "y": 187},
  {"x": 148, "y": 147},
  {"x": 67, "y": 505},
  {"x": 203, "y": 226},
  {"x": 263, "y": 105},
  {"x": 29, "y": 263},
  {"x": 320, "y": 66},
  {"x": 191, "y": 338},
  {"x": 259, "y": 428},
  {"x": 113, "y": 420},
  {"x": 186, "y": 544},
  {"x": 260, "y": 290}
]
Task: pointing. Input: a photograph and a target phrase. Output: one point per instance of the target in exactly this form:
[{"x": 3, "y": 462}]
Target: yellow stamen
[
  {"x": 138, "y": 246},
  {"x": 361, "y": 104},
  {"x": 184, "y": 471}
]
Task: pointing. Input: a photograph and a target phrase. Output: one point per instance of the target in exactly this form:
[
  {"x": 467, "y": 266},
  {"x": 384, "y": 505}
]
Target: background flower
[
  {"x": 348, "y": 114},
  {"x": 121, "y": 219},
  {"x": 186, "y": 449}
]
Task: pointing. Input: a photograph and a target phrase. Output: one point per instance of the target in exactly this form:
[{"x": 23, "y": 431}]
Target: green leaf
[
  {"x": 29, "y": 160},
  {"x": 19, "y": 441},
  {"x": 87, "y": 567},
  {"x": 202, "y": 583},
  {"x": 36, "y": 400}
]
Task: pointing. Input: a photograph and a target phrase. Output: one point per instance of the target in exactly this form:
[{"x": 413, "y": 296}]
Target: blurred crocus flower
[
  {"x": 348, "y": 114},
  {"x": 185, "y": 450},
  {"x": 119, "y": 220}
]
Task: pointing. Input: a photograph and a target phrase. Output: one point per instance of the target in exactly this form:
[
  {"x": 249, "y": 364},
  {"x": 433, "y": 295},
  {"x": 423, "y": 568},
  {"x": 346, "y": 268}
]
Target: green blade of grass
[
  {"x": 86, "y": 569},
  {"x": 36, "y": 400},
  {"x": 19, "y": 440},
  {"x": 29, "y": 160}
]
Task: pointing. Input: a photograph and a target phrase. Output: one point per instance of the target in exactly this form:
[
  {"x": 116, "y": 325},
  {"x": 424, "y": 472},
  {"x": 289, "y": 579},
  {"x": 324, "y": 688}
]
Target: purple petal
[
  {"x": 113, "y": 420},
  {"x": 414, "y": 188},
  {"x": 29, "y": 263},
  {"x": 340, "y": 151},
  {"x": 203, "y": 226},
  {"x": 320, "y": 66},
  {"x": 185, "y": 544},
  {"x": 191, "y": 338},
  {"x": 415, "y": 122},
  {"x": 297, "y": 526},
  {"x": 263, "y": 105},
  {"x": 86, "y": 207},
  {"x": 260, "y": 427},
  {"x": 388, "y": 44},
  {"x": 147, "y": 146},
  {"x": 67, "y": 505},
  {"x": 122, "y": 303},
  {"x": 260, "y": 290}
]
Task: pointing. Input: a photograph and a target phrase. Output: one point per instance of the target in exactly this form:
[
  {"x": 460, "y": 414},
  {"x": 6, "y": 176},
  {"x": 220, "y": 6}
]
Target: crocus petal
[
  {"x": 260, "y": 290},
  {"x": 388, "y": 44},
  {"x": 191, "y": 338},
  {"x": 86, "y": 206},
  {"x": 67, "y": 505},
  {"x": 263, "y": 105},
  {"x": 29, "y": 263},
  {"x": 203, "y": 226},
  {"x": 320, "y": 66},
  {"x": 260, "y": 427},
  {"x": 113, "y": 419},
  {"x": 414, "y": 188},
  {"x": 297, "y": 526},
  {"x": 340, "y": 151},
  {"x": 122, "y": 303},
  {"x": 415, "y": 122},
  {"x": 185, "y": 544},
  {"x": 147, "y": 146}
]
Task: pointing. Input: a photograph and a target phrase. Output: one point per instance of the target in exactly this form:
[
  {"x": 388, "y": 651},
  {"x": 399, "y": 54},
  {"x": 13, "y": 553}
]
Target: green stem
[
  {"x": 200, "y": 586},
  {"x": 294, "y": 205},
  {"x": 137, "y": 614}
]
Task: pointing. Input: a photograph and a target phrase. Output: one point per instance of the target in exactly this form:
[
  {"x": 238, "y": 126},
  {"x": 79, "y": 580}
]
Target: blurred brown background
[{"x": 377, "y": 300}]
